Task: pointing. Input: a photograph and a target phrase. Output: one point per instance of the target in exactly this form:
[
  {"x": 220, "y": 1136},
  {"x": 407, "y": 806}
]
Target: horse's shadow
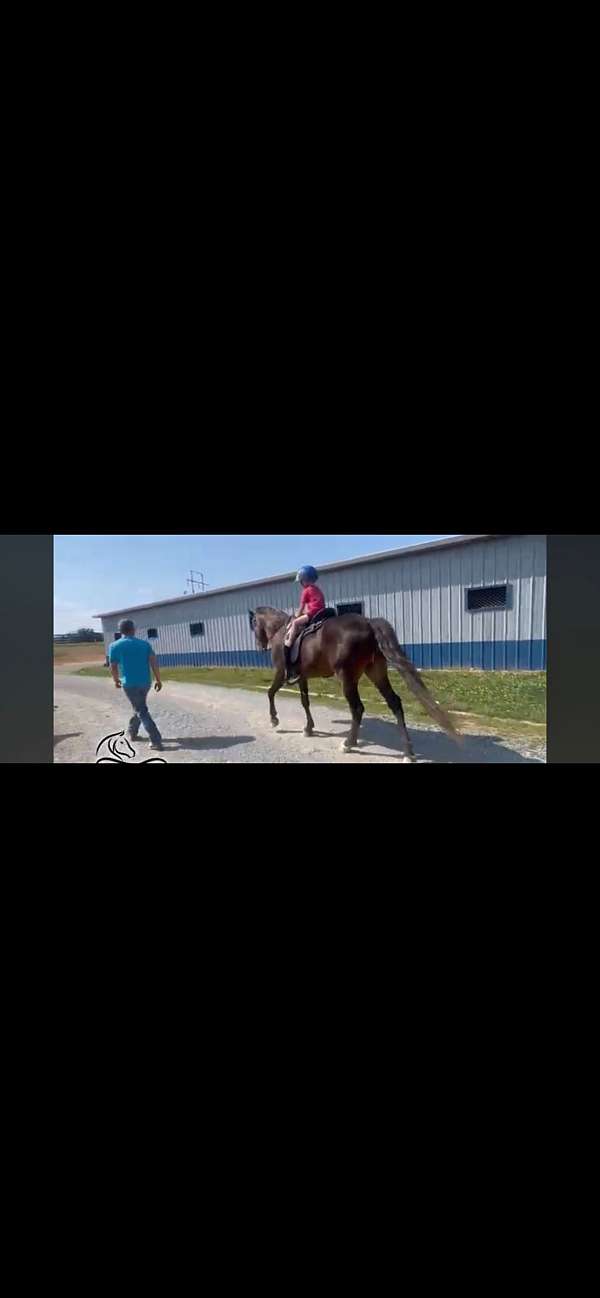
[{"x": 435, "y": 746}]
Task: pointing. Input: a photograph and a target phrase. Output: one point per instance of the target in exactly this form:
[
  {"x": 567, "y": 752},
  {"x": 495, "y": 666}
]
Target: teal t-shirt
[{"x": 133, "y": 657}]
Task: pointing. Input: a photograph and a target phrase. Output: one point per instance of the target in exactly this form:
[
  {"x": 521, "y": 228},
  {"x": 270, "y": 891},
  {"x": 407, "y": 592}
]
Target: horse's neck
[{"x": 275, "y": 623}]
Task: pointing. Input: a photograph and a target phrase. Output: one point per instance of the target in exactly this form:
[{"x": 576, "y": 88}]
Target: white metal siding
[{"x": 423, "y": 595}]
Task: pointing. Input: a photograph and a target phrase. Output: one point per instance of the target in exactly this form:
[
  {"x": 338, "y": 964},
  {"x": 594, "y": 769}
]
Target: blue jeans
[{"x": 137, "y": 695}]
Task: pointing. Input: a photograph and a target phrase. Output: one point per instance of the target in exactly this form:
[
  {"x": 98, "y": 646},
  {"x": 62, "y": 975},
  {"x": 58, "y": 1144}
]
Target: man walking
[{"x": 134, "y": 658}]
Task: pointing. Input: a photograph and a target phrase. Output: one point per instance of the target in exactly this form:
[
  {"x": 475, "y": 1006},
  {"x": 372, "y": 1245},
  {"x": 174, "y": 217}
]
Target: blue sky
[{"x": 93, "y": 574}]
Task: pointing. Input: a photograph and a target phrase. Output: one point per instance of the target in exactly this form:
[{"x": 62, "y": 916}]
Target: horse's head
[
  {"x": 257, "y": 625},
  {"x": 265, "y": 622}
]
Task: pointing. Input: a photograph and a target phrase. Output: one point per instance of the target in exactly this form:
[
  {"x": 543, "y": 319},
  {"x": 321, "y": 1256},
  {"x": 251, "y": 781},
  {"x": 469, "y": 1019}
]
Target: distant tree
[{"x": 85, "y": 634}]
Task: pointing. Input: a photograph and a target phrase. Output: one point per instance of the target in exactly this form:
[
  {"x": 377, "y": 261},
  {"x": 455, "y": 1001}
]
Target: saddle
[{"x": 314, "y": 625}]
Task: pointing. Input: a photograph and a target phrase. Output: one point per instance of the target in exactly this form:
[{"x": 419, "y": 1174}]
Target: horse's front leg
[{"x": 276, "y": 686}]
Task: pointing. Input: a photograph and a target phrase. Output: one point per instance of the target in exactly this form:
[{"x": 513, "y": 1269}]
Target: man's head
[{"x": 127, "y": 627}]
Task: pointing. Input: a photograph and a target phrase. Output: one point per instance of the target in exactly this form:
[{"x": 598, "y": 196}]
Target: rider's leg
[{"x": 294, "y": 628}]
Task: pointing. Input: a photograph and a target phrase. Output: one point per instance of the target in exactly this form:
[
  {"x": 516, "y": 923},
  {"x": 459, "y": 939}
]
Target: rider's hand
[{"x": 158, "y": 686}]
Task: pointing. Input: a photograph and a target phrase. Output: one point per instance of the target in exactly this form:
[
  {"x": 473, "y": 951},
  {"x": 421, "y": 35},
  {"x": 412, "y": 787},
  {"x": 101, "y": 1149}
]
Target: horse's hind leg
[
  {"x": 351, "y": 694},
  {"x": 310, "y": 725},
  {"x": 378, "y": 674}
]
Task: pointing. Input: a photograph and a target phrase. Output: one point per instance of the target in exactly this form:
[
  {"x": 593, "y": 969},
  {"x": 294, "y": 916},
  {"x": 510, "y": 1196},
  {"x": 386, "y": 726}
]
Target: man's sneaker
[
  {"x": 158, "y": 748},
  {"x": 131, "y": 737}
]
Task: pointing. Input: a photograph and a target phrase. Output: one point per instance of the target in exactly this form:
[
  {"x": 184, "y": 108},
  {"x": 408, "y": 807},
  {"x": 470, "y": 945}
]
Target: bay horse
[{"x": 347, "y": 647}]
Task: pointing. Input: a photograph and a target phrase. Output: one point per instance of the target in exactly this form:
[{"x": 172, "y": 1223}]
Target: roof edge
[{"x": 378, "y": 557}]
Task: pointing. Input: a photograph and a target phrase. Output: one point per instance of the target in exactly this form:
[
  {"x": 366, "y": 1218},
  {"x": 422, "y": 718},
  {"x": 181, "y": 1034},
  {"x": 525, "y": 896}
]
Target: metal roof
[{"x": 321, "y": 568}]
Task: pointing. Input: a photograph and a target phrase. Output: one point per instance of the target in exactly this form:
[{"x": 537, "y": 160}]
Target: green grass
[
  {"x": 509, "y": 696},
  {"x": 84, "y": 651}
]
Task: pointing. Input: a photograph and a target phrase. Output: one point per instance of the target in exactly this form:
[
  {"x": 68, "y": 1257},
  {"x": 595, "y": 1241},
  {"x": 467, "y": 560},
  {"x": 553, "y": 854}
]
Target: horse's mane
[
  {"x": 276, "y": 619},
  {"x": 279, "y": 612}
]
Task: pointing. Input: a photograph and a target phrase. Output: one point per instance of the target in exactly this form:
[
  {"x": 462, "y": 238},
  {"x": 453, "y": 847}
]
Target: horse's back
[
  {"x": 350, "y": 632},
  {"x": 353, "y": 622}
]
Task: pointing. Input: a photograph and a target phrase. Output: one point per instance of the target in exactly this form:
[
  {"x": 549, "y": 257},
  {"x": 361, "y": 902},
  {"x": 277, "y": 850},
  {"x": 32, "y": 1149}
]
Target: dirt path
[{"x": 203, "y": 723}]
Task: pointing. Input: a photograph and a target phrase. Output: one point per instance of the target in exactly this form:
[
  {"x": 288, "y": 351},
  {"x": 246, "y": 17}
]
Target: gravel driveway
[{"x": 205, "y": 723}]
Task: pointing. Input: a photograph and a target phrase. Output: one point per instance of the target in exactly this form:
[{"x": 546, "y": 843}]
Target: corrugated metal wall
[
  {"x": 227, "y": 641},
  {"x": 423, "y": 595}
]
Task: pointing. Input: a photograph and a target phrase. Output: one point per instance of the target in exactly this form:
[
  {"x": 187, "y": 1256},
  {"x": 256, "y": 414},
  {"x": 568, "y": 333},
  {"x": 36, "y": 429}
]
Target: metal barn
[{"x": 472, "y": 601}]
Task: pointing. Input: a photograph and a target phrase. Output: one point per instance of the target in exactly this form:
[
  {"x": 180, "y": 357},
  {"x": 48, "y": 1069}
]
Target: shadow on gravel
[
  {"x": 435, "y": 746},
  {"x": 316, "y": 734},
  {"x": 206, "y": 742},
  {"x": 75, "y": 735}
]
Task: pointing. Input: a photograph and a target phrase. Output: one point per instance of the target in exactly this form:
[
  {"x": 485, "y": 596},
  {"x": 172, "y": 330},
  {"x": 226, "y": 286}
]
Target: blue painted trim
[
  {"x": 486, "y": 655},
  {"x": 226, "y": 658},
  {"x": 481, "y": 655}
]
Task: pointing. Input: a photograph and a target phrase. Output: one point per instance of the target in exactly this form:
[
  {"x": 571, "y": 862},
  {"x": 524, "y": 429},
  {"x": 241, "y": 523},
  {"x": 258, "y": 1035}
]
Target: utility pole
[{"x": 197, "y": 579}]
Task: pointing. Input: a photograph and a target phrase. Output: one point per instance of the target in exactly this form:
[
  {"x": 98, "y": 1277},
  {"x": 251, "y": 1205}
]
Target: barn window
[
  {"x": 485, "y": 599},
  {"x": 152, "y": 633},
  {"x": 196, "y": 628},
  {"x": 349, "y": 608}
]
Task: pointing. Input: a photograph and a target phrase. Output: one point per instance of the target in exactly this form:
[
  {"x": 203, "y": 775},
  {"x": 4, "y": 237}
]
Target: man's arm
[
  {"x": 156, "y": 670},
  {"x": 113, "y": 662}
]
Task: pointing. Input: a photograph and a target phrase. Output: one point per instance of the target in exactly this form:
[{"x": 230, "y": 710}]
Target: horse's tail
[{"x": 387, "y": 642}]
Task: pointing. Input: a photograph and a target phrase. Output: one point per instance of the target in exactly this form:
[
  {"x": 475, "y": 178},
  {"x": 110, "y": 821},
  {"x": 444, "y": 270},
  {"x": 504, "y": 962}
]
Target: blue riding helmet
[{"x": 308, "y": 574}]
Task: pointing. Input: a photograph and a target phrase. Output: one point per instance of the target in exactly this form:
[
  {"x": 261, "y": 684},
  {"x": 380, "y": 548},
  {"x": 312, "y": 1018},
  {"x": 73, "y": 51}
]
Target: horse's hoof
[
  {"x": 346, "y": 747},
  {"x": 274, "y": 722},
  {"x": 308, "y": 733}
]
